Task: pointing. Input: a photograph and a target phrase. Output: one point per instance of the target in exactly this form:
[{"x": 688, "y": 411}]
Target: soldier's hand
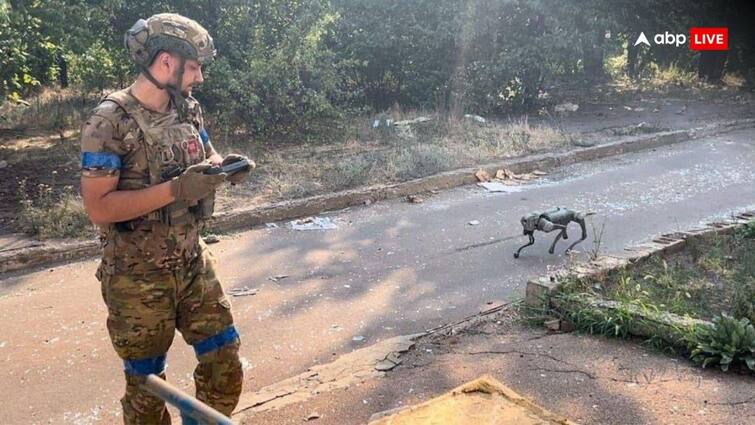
[
  {"x": 193, "y": 184},
  {"x": 242, "y": 174}
]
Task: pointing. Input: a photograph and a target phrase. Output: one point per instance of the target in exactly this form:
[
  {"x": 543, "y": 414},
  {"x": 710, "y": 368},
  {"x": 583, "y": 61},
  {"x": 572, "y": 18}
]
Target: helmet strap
[{"x": 178, "y": 99}]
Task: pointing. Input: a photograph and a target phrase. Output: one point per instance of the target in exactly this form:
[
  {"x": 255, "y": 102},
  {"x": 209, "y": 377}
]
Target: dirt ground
[{"x": 588, "y": 379}]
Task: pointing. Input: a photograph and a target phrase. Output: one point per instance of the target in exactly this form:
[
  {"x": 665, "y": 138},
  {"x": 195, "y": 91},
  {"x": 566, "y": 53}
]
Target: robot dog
[{"x": 548, "y": 221}]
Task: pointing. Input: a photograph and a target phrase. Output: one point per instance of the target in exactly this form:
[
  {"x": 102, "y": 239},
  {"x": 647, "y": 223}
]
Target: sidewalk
[{"x": 587, "y": 379}]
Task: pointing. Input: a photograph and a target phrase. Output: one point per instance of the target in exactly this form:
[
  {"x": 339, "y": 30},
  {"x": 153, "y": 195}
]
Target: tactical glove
[
  {"x": 193, "y": 184},
  {"x": 242, "y": 174}
]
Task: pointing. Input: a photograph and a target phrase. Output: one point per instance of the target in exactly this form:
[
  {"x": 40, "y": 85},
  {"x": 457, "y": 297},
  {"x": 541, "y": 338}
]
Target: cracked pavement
[{"x": 585, "y": 378}]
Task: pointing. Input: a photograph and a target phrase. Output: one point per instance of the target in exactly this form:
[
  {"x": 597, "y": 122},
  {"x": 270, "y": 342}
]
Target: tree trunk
[
  {"x": 62, "y": 70},
  {"x": 592, "y": 56},
  {"x": 711, "y": 65},
  {"x": 633, "y": 62}
]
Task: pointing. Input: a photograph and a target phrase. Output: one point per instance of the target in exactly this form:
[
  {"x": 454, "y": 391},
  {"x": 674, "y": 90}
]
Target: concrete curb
[
  {"x": 247, "y": 217},
  {"x": 541, "y": 292}
]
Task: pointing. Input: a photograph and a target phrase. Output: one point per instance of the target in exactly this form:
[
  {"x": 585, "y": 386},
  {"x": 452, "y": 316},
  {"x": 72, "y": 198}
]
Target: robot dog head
[{"x": 529, "y": 223}]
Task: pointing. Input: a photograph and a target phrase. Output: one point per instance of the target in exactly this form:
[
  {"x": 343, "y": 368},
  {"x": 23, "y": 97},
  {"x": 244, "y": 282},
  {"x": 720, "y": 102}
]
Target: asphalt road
[{"x": 390, "y": 268}]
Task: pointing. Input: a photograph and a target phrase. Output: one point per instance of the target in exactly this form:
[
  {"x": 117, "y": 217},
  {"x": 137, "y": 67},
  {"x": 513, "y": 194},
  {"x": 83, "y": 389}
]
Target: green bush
[
  {"x": 96, "y": 69},
  {"x": 274, "y": 75},
  {"x": 728, "y": 342}
]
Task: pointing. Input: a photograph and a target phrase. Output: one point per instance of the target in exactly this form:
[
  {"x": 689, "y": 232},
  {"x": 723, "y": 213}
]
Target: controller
[{"x": 229, "y": 169}]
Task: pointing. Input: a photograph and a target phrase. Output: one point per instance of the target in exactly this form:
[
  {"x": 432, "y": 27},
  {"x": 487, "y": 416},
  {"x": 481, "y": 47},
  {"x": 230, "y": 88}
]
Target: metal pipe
[{"x": 188, "y": 405}]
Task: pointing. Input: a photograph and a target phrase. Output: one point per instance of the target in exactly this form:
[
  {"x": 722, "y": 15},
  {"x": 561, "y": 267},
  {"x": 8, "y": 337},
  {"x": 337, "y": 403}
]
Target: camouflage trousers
[{"x": 143, "y": 315}]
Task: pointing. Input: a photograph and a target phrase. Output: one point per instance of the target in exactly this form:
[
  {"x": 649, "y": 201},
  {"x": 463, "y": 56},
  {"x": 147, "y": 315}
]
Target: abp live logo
[
  {"x": 700, "y": 38},
  {"x": 709, "y": 38}
]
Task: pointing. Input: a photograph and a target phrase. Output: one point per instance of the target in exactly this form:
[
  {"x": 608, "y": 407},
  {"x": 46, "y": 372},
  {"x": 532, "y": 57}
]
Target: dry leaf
[{"x": 482, "y": 176}]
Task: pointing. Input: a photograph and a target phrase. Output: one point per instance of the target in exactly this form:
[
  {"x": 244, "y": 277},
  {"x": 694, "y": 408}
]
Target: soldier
[{"x": 144, "y": 151}]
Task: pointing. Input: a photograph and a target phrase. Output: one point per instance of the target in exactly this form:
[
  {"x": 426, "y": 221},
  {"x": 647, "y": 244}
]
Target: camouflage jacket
[{"x": 125, "y": 139}]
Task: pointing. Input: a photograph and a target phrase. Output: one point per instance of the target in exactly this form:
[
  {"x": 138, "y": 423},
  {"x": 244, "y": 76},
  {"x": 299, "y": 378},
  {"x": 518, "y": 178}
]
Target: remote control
[{"x": 231, "y": 168}]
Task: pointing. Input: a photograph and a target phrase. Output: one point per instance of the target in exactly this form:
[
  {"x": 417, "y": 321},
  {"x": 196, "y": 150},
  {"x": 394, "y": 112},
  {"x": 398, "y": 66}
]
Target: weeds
[
  {"x": 597, "y": 241},
  {"x": 52, "y": 110},
  {"x": 728, "y": 342},
  {"x": 713, "y": 279},
  {"x": 50, "y": 216}
]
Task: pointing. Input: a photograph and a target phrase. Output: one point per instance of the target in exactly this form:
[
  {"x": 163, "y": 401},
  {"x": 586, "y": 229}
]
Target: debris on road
[
  {"x": 246, "y": 364},
  {"x": 417, "y": 120},
  {"x": 482, "y": 176},
  {"x": 314, "y": 223},
  {"x": 494, "y": 186},
  {"x": 504, "y": 174},
  {"x": 389, "y": 363},
  {"x": 244, "y": 291},
  {"x": 476, "y": 118},
  {"x": 505, "y": 177},
  {"x": 566, "y": 107},
  {"x": 211, "y": 239},
  {"x": 553, "y": 324},
  {"x": 415, "y": 199},
  {"x": 382, "y": 122},
  {"x": 277, "y": 278}
]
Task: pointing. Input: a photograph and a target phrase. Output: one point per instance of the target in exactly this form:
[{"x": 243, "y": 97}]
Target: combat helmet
[{"x": 172, "y": 33}]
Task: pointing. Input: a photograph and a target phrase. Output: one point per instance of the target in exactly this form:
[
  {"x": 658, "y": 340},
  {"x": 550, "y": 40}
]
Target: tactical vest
[
  {"x": 169, "y": 237},
  {"x": 170, "y": 149}
]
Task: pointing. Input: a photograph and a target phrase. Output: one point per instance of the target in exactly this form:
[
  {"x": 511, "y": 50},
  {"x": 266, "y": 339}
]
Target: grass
[
  {"x": 401, "y": 153},
  {"x": 49, "y": 215},
  {"x": 713, "y": 279},
  {"x": 52, "y": 110}
]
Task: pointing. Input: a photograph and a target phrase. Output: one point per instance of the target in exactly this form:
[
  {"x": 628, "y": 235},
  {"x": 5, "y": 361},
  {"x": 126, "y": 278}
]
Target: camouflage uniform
[{"x": 156, "y": 274}]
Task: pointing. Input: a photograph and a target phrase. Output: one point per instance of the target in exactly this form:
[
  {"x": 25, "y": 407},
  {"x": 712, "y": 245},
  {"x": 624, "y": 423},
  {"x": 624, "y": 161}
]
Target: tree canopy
[{"x": 286, "y": 65}]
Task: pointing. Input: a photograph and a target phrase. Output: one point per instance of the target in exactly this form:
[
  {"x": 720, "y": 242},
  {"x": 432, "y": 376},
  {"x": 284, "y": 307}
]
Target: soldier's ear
[{"x": 164, "y": 61}]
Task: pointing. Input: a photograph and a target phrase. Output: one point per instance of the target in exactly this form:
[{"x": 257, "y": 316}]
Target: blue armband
[
  {"x": 204, "y": 136},
  {"x": 100, "y": 160}
]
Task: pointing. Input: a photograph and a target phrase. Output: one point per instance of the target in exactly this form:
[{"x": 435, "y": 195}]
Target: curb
[{"x": 247, "y": 217}]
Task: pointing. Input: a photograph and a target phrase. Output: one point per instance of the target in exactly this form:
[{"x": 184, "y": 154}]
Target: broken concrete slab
[
  {"x": 343, "y": 372},
  {"x": 538, "y": 291}
]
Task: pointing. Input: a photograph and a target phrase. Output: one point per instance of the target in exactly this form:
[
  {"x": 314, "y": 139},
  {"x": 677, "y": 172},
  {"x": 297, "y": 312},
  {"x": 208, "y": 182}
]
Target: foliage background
[{"x": 290, "y": 69}]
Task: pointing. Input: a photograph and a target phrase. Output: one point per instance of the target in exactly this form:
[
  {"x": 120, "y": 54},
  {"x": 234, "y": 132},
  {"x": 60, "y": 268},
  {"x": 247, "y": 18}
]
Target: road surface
[{"x": 390, "y": 268}]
